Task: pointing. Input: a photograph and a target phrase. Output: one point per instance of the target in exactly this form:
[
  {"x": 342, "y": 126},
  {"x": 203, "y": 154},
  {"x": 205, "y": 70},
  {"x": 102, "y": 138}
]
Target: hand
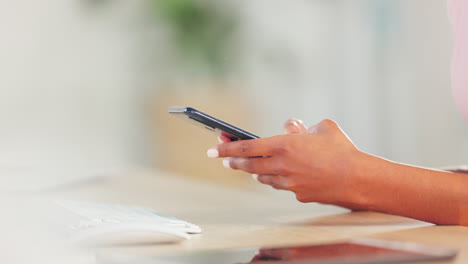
[
  {"x": 292, "y": 126},
  {"x": 316, "y": 164}
]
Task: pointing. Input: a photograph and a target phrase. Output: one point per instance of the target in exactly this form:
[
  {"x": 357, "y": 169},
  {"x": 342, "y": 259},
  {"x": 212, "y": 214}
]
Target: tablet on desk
[{"x": 365, "y": 251}]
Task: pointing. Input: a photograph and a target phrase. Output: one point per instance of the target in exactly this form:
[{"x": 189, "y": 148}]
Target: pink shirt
[{"x": 458, "y": 11}]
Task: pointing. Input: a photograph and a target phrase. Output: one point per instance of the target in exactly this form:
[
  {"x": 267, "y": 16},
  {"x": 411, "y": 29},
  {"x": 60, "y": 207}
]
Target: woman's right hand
[
  {"x": 317, "y": 164},
  {"x": 291, "y": 126}
]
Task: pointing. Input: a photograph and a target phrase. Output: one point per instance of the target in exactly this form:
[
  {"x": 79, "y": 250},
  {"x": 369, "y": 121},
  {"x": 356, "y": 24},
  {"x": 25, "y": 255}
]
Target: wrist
[{"x": 365, "y": 172}]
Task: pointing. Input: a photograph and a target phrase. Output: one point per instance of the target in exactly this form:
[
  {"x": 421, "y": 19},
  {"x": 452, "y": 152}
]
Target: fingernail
[
  {"x": 291, "y": 127},
  {"x": 220, "y": 141},
  {"x": 212, "y": 153},
  {"x": 255, "y": 177},
  {"x": 226, "y": 163}
]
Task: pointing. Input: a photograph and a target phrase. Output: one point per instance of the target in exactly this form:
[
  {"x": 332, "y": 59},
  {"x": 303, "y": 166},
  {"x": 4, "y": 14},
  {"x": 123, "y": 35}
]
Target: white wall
[
  {"x": 69, "y": 86},
  {"x": 442, "y": 134},
  {"x": 380, "y": 68}
]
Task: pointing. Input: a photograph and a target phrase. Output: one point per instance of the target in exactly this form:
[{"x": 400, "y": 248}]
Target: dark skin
[{"x": 321, "y": 164}]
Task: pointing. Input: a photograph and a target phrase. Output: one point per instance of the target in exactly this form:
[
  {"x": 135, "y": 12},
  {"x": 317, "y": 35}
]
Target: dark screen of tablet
[{"x": 328, "y": 254}]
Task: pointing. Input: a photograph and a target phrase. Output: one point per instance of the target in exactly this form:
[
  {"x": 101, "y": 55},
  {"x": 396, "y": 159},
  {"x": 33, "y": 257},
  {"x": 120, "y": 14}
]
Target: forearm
[{"x": 435, "y": 196}]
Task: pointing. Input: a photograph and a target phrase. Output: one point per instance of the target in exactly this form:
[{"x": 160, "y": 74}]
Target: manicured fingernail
[
  {"x": 220, "y": 141},
  {"x": 212, "y": 153},
  {"x": 226, "y": 163},
  {"x": 255, "y": 177}
]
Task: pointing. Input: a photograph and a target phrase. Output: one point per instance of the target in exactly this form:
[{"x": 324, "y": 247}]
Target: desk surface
[{"x": 248, "y": 218}]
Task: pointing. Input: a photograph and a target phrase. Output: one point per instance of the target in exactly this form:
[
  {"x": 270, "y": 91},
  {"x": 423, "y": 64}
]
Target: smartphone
[
  {"x": 211, "y": 123},
  {"x": 360, "y": 251}
]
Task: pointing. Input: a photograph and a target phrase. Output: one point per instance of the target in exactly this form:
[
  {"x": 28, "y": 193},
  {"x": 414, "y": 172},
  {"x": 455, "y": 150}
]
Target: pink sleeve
[{"x": 458, "y": 11}]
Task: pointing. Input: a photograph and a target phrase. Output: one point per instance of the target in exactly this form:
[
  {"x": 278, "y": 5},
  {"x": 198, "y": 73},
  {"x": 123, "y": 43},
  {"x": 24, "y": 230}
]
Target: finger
[
  {"x": 223, "y": 139},
  {"x": 261, "y": 147},
  {"x": 294, "y": 126},
  {"x": 255, "y": 177},
  {"x": 275, "y": 181},
  {"x": 259, "y": 165}
]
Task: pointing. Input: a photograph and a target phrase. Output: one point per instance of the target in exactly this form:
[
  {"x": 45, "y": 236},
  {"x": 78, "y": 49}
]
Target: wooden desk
[{"x": 255, "y": 217}]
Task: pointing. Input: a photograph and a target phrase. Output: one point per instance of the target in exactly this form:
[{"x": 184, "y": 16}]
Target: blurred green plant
[
  {"x": 202, "y": 31},
  {"x": 95, "y": 3}
]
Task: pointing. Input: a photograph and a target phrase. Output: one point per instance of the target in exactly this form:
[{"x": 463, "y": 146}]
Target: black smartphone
[{"x": 211, "y": 123}]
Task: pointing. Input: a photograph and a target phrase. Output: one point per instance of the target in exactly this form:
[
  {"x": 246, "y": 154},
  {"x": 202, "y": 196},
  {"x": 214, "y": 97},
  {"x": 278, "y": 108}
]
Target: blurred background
[{"x": 85, "y": 84}]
